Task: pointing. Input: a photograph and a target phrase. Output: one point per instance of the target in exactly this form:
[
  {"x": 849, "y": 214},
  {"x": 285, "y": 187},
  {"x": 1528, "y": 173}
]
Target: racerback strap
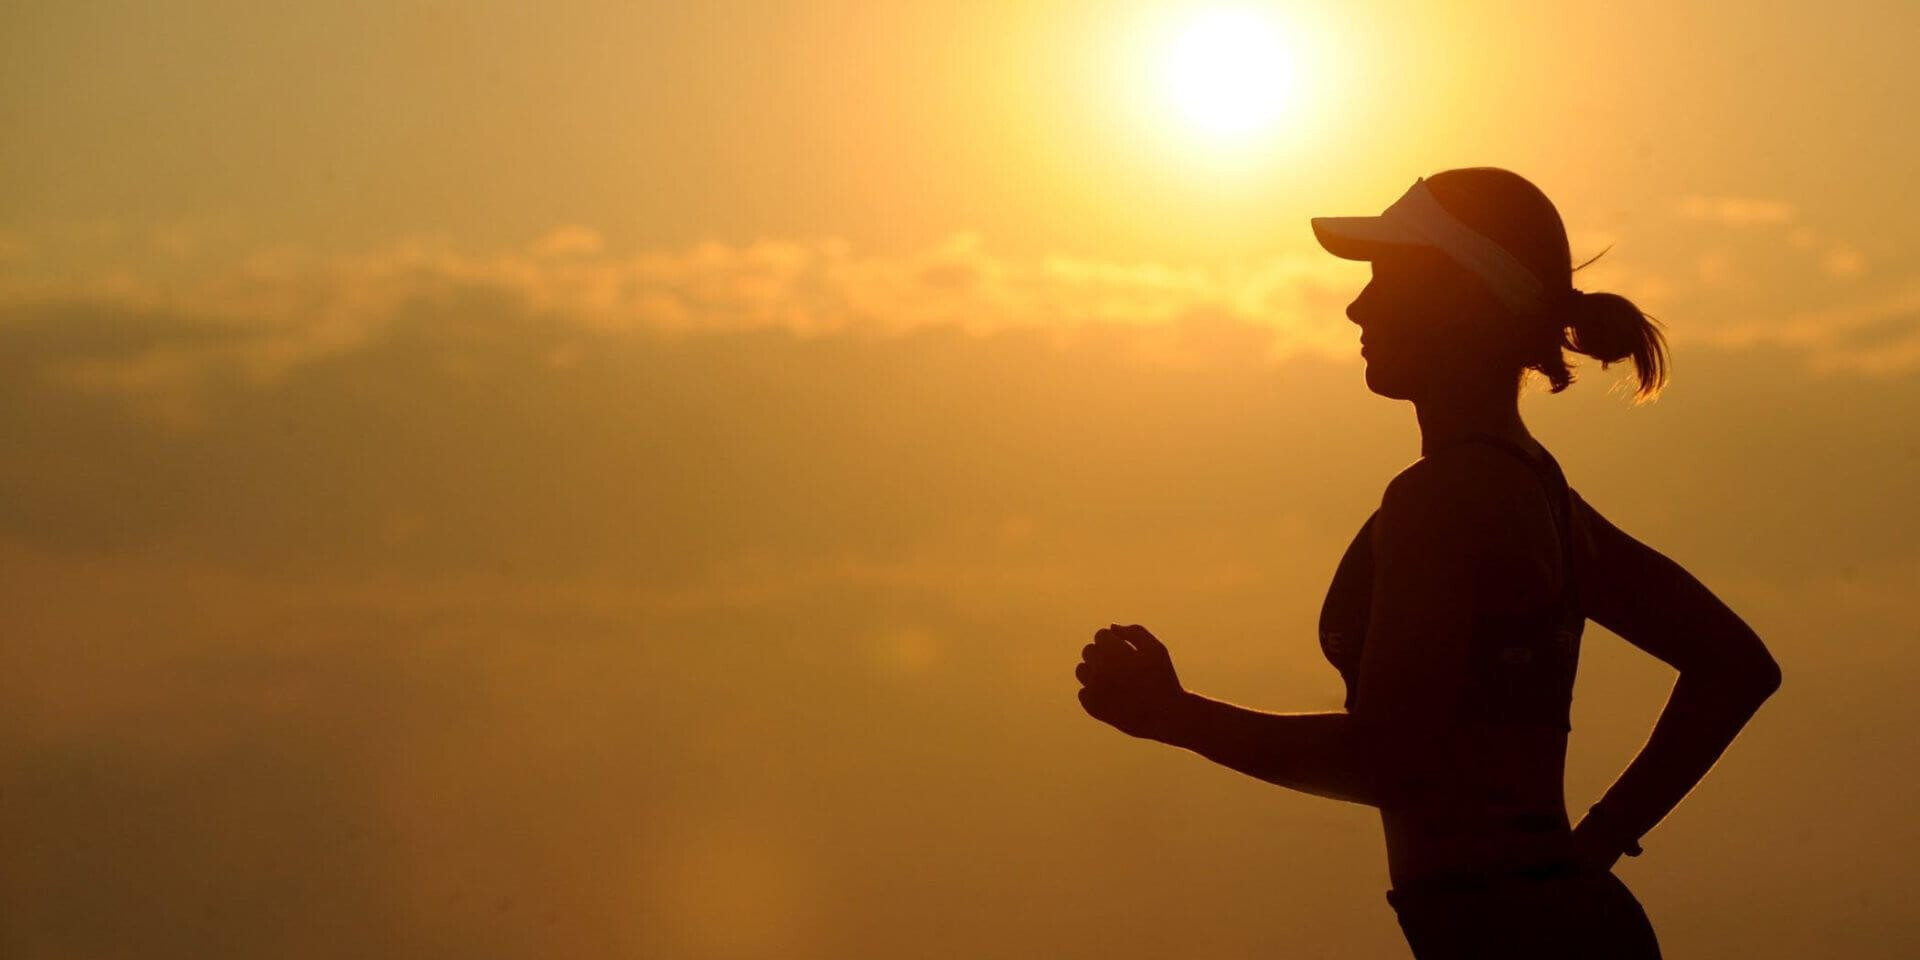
[{"x": 1559, "y": 498}]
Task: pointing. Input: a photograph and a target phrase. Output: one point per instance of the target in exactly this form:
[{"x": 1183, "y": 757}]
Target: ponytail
[
  {"x": 1606, "y": 327},
  {"x": 1609, "y": 328}
]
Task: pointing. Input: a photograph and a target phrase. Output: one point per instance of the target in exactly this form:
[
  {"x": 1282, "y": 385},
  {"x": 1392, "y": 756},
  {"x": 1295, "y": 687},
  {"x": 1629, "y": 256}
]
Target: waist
[
  {"x": 1441, "y": 883},
  {"x": 1477, "y": 824},
  {"x": 1468, "y": 846}
]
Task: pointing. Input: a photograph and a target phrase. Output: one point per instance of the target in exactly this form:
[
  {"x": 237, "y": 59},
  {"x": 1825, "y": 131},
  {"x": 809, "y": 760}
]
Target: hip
[
  {"x": 1485, "y": 842},
  {"x": 1557, "y": 909}
]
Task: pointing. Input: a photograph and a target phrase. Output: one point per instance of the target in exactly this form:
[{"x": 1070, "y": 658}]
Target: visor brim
[{"x": 1359, "y": 238}]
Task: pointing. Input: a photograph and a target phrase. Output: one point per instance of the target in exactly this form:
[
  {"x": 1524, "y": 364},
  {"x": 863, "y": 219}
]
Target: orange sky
[{"x": 634, "y": 479}]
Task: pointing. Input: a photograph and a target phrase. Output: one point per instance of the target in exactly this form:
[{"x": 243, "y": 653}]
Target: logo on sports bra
[
  {"x": 1515, "y": 654},
  {"x": 1559, "y": 645},
  {"x": 1333, "y": 640}
]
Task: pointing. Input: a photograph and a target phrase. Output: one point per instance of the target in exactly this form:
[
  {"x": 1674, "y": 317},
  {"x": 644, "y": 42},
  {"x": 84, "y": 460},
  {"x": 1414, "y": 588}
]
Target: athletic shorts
[{"x": 1564, "y": 911}]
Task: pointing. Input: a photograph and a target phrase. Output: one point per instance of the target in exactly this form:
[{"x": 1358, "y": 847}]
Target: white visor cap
[{"x": 1417, "y": 219}]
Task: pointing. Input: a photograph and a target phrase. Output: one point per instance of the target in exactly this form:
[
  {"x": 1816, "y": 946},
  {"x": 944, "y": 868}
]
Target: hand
[
  {"x": 1127, "y": 680},
  {"x": 1594, "y": 845}
]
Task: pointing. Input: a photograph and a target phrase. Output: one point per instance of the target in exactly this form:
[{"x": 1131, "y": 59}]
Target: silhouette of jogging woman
[{"x": 1455, "y": 616}]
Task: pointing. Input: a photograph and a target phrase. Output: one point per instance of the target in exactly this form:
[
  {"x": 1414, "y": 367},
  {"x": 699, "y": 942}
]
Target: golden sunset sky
[{"x": 593, "y": 479}]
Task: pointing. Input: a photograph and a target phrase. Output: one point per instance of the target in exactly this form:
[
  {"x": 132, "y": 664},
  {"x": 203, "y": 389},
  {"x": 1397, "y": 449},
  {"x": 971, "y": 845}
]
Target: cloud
[
  {"x": 569, "y": 241},
  {"x": 405, "y": 419},
  {"x": 426, "y": 604},
  {"x": 1843, "y": 262},
  {"x": 254, "y": 320},
  {"x": 1878, "y": 338},
  {"x": 1735, "y": 211},
  {"x": 1716, "y": 267},
  {"x": 193, "y": 330},
  {"x": 1834, "y": 258}
]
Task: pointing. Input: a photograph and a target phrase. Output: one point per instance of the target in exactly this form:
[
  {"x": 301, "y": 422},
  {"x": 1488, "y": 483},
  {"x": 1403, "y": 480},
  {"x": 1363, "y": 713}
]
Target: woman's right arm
[{"x": 1726, "y": 672}]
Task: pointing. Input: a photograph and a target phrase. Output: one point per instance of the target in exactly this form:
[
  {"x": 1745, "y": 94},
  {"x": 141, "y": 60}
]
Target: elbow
[
  {"x": 1762, "y": 674},
  {"x": 1738, "y": 667},
  {"x": 1767, "y": 678},
  {"x": 1749, "y": 682}
]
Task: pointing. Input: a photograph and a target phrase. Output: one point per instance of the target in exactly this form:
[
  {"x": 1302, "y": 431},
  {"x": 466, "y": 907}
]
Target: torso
[{"x": 1505, "y": 805}]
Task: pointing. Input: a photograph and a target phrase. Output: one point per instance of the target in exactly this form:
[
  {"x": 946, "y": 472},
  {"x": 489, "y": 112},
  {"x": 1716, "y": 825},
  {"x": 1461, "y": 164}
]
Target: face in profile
[{"x": 1425, "y": 323}]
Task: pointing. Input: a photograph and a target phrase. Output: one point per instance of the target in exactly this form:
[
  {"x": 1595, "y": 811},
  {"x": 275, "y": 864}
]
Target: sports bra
[{"x": 1521, "y": 665}]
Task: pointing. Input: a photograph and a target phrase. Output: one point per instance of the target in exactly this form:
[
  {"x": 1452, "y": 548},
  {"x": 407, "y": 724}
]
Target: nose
[{"x": 1362, "y": 303}]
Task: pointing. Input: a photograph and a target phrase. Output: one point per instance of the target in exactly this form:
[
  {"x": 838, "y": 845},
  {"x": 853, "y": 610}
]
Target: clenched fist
[{"x": 1127, "y": 680}]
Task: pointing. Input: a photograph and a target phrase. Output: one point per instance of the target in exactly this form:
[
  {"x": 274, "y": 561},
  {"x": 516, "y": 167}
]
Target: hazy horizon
[{"x": 634, "y": 480}]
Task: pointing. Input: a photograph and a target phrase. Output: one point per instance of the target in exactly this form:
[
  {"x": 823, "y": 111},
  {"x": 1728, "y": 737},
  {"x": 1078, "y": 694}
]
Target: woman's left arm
[
  {"x": 1430, "y": 543},
  {"x": 1315, "y": 753},
  {"x": 1128, "y": 681}
]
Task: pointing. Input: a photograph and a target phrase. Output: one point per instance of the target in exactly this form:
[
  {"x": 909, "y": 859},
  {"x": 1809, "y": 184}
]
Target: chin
[{"x": 1387, "y": 385}]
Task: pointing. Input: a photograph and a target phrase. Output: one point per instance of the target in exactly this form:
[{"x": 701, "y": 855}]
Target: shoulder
[
  {"x": 1468, "y": 485},
  {"x": 1470, "y": 515}
]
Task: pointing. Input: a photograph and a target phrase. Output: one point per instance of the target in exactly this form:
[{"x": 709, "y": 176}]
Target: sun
[{"x": 1230, "y": 73}]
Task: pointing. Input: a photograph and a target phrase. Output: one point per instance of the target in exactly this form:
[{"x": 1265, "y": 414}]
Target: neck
[{"x": 1444, "y": 419}]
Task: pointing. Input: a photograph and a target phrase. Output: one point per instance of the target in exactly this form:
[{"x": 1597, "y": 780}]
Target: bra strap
[{"x": 1559, "y": 494}]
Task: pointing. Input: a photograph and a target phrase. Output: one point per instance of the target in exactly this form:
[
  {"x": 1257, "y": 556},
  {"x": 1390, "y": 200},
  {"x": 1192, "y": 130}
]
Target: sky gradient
[{"x": 486, "y": 480}]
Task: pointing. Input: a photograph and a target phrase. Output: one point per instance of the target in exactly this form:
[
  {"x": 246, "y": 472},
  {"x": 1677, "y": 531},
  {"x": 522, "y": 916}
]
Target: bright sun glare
[{"x": 1229, "y": 73}]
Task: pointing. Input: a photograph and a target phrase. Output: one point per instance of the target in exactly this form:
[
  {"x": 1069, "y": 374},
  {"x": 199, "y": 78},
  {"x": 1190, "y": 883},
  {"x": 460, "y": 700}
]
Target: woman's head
[{"x": 1446, "y": 310}]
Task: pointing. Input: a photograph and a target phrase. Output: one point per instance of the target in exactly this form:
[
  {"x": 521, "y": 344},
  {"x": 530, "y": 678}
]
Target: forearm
[
  {"x": 1702, "y": 717},
  {"x": 1316, "y": 753}
]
